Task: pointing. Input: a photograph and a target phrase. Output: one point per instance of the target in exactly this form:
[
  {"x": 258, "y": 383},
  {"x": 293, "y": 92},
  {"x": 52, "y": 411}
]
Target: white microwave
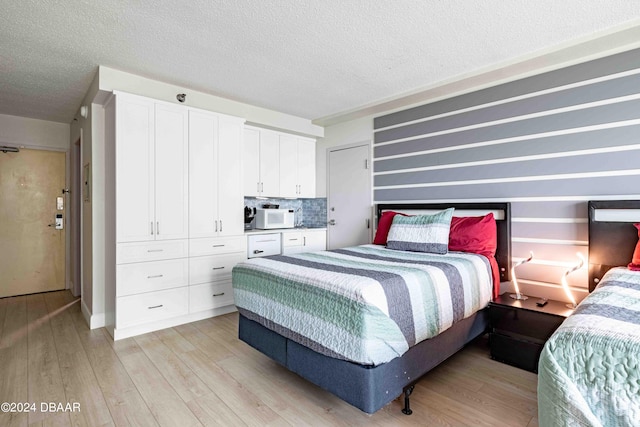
[{"x": 267, "y": 219}]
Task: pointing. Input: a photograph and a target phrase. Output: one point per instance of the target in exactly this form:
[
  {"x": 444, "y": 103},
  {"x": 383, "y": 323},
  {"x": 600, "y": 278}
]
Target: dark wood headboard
[
  {"x": 611, "y": 241},
  {"x": 503, "y": 223}
]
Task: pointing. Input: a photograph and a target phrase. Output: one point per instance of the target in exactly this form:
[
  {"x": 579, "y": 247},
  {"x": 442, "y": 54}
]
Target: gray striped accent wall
[{"x": 546, "y": 143}]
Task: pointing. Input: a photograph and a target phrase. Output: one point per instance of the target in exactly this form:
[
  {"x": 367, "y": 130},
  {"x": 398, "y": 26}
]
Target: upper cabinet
[
  {"x": 278, "y": 164},
  {"x": 151, "y": 170},
  {"x": 215, "y": 175},
  {"x": 297, "y": 166},
  {"x": 261, "y": 162}
]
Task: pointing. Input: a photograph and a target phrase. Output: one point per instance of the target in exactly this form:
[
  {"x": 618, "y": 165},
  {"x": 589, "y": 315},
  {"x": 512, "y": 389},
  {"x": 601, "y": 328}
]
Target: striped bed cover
[
  {"x": 589, "y": 370},
  {"x": 365, "y": 304}
]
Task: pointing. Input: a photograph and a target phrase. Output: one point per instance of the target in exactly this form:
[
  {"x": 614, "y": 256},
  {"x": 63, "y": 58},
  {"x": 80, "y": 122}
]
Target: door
[
  {"x": 349, "y": 197},
  {"x": 203, "y": 175},
  {"x": 32, "y": 253},
  {"x": 230, "y": 200},
  {"x": 171, "y": 172},
  {"x": 135, "y": 220}
]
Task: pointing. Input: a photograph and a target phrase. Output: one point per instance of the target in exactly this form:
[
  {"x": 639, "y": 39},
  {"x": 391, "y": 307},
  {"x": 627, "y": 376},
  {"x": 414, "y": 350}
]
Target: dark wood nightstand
[{"x": 519, "y": 329}]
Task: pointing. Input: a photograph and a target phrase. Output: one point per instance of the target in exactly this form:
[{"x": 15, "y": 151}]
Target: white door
[
  {"x": 171, "y": 175},
  {"x": 349, "y": 197},
  {"x": 135, "y": 217},
  {"x": 203, "y": 175},
  {"x": 288, "y": 166},
  {"x": 306, "y": 168},
  {"x": 230, "y": 200},
  {"x": 269, "y": 164},
  {"x": 251, "y": 159}
]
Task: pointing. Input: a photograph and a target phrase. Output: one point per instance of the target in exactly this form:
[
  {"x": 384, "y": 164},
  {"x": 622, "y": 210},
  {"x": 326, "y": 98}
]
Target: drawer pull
[
  {"x": 218, "y": 246},
  {"x": 265, "y": 241},
  {"x": 155, "y": 306},
  {"x": 155, "y": 250},
  {"x": 217, "y": 268},
  {"x": 218, "y": 295},
  {"x": 257, "y": 251},
  {"x": 155, "y": 277},
  {"x": 293, "y": 240}
]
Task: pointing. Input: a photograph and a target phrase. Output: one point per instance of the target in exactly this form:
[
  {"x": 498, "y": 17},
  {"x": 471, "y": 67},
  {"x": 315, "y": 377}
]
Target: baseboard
[
  {"x": 131, "y": 331},
  {"x": 93, "y": 320}
]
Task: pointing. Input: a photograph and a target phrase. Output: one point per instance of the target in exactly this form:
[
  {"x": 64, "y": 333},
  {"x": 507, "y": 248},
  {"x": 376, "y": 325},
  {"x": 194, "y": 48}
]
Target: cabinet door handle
[
  {"x": 151, "y": 228},
  {"x": 155, "y": 277},
  {"x": 221, "y": 226},
  {"x": 304, "y": 241},
  {"x": 158, "y": 227},
  {"x": 293, "y": 240},
  {"x": 217, "y": 268},
  {"x": 155, "y": 250},
  {"x": 216, "y": 221},
  {"x": 155, "y": 306},
  {"x": 217, "y": 246},
  {"x": 218, "y": 295},
  {"x": 258, "y": 185}
]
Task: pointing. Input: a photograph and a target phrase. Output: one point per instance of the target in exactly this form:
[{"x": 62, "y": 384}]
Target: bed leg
[{"x": 407, "y": 392}]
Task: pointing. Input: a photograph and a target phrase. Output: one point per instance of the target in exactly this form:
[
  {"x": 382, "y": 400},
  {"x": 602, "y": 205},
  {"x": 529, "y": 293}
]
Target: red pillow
[
  {"x": 477, "y": 234},
  {"x": 384, "y": 224},
  {"x": 635, "y": 261}
]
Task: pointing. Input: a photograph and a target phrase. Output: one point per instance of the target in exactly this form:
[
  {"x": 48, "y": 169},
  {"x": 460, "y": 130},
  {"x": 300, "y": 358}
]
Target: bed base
[{"x": 368, "y": 388}]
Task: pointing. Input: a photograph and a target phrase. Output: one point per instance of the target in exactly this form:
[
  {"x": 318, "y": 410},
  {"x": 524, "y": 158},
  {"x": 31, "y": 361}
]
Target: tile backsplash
[{"x": 309, "y": 212}]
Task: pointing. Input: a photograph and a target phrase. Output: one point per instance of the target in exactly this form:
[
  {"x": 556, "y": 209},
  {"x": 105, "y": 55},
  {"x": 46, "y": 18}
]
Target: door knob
[{"x": 332, "y": 222}]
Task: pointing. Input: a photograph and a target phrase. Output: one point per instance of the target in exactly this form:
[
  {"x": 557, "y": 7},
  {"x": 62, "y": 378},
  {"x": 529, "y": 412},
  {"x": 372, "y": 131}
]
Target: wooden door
[
  {"x": 349, "y": 197},
  {"x": 32, "y": 253}
]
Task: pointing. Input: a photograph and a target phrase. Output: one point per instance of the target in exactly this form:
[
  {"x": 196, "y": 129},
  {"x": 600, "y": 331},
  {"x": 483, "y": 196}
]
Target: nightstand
[{"x": 519, "y": 329}]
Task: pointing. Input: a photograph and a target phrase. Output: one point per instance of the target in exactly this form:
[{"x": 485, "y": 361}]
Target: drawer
[
  {"x": 151, "y": 251},
  {"x": 151, "y": 307},
  {"x": 291, "y": 239},
  {"x": 205, "y": 269},
  {"x": 536, "y": 326},
  {"x": 210, "y": 295},
  {"x": 151, "y": 276},
  {"x": 217, "y": 245},
  {"x": 515, "y": 352},
  {"x": 263, "y": 245}
]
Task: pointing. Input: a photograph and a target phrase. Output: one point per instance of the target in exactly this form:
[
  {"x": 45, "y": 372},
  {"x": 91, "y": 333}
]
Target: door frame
[
  {"x": 74, "y": 218},
  {"x": 368, "y": 143}
]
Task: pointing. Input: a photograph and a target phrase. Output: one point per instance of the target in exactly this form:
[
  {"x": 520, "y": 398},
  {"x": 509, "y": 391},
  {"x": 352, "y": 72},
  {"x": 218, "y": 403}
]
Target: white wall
[{"x": 33, "y": 133}]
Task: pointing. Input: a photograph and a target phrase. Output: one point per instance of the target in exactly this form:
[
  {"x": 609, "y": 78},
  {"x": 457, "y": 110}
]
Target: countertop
[{"x": 282, "y": 230}]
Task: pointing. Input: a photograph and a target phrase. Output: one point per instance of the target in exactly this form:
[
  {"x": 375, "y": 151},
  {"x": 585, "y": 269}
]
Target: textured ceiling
[{"x": 307, "y": 58}]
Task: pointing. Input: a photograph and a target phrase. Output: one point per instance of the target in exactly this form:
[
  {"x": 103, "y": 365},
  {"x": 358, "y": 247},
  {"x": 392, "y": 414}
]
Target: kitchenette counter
[{"x": 282, "y": 230}]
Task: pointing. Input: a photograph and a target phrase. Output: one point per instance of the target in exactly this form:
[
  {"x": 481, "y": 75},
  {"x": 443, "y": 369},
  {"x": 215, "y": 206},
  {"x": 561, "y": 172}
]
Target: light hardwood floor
[{"x": 201, "y": 374}]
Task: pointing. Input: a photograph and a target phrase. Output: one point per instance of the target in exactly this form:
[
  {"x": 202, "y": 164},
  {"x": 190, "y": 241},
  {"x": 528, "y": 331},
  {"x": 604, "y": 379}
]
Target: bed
[
  {"x": 589, "y": 369},
  {"x": 358, "y": 321}
]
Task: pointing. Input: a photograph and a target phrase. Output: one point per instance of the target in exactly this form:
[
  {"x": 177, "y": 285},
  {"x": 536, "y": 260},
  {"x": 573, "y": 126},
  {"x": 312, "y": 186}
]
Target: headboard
[
  {"x": 612, "y": 236},
  {"x": 501, "y": 212}
]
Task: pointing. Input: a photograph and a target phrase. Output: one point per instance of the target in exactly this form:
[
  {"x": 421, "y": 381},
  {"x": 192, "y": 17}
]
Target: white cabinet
[
  {"x": 261, "y": 163},
  {"x": 261, "y": 245},
  {"x": 215, "y": 175},
  {"x": 151, "y": 170},
  {"x": 297, "y": 166},
  {"x": 278, "y": 164},
  {"x": 174, "y": 207},
  {"x": 304, "y": 241}
]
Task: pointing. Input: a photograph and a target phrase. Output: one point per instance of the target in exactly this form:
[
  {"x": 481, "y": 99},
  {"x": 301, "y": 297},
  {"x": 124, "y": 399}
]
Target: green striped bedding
[
  {"x": 589, "y": 370},
  {"x": 366, "y": 304}
]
